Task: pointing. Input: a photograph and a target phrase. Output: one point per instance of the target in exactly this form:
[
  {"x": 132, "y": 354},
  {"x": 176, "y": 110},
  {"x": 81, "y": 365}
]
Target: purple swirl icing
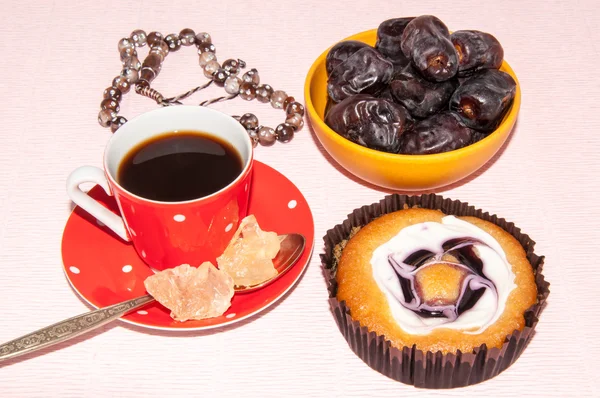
[{"x": 472, "y": 287}]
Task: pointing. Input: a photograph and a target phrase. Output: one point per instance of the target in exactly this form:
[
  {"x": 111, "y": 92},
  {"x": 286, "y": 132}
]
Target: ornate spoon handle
[{"x": 69, "y": 328}]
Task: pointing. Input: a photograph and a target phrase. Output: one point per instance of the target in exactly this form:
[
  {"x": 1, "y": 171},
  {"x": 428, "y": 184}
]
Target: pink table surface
[{"x": 57, "y": 58}]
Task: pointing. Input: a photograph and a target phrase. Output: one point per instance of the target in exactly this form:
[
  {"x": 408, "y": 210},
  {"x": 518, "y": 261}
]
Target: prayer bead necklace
[{"x": 141, "y": 74}]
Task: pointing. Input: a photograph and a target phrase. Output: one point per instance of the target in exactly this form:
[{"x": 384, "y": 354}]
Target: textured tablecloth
[{"x": 57, "y": 58}]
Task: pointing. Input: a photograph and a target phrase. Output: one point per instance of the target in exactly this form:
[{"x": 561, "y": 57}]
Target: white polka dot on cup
[
  {"x": 127, "y": 268},
  {"x": 179, "y": 217},
  {"x": 142, "y": 312},
  {"x": 229, "y": 316},
  {"x": 143, "y": 254},
  {"x": 74, "y": 270},
  {"x": 228, "y": 227},
  {"x": 292, "y": 204}
]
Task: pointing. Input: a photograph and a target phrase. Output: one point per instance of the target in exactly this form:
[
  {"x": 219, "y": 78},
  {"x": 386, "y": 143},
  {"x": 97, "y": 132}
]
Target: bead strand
[{"x": 248, "y": 87}]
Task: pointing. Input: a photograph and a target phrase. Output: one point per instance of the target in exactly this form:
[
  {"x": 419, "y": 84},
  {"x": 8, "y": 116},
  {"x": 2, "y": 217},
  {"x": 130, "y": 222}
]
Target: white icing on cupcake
[{"x": 493, "y": 281}]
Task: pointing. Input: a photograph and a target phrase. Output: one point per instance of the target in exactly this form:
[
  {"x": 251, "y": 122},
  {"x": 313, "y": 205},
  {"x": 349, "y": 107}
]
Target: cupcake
[{"x": 432, "y": 292}]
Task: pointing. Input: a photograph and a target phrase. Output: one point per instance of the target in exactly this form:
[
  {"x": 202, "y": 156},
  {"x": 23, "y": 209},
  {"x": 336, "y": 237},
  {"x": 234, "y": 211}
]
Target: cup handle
[{"x": 83, "y": 200}]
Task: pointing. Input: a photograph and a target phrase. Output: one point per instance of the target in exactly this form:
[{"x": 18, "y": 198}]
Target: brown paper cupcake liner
[{"x": 410, "y": 365}]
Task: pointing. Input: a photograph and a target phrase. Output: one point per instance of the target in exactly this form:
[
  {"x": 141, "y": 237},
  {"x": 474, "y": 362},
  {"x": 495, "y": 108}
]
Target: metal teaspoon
[{"x": 292, "y": 247}]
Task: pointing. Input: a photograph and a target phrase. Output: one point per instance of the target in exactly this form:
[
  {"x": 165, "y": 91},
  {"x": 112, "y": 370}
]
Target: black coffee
[{"x": 180, "y": 166}]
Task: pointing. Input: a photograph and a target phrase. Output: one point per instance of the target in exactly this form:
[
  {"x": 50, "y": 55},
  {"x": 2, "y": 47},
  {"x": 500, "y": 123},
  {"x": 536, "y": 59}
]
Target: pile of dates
[{"x": 420, "y": 90}]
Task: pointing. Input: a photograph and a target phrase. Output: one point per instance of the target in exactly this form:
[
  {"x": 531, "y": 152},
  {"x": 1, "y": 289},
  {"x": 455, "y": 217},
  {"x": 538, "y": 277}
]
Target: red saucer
[{"x": 104, "y": 270}]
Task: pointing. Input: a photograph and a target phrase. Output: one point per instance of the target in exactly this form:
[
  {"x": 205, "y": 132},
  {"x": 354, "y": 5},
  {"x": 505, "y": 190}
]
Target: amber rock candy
[
  {"x": 248, "y": 258},
  {"x": 192, "y": 293}
]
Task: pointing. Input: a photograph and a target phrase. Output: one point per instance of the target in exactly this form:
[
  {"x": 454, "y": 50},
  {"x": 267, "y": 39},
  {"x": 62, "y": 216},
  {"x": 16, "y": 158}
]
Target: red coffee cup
[{"x": 167, "y": 234}]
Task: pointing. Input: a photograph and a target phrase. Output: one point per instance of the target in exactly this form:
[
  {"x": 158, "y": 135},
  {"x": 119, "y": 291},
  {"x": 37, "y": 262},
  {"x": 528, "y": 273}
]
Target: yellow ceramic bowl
[{"x": 400, "y": 172}]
